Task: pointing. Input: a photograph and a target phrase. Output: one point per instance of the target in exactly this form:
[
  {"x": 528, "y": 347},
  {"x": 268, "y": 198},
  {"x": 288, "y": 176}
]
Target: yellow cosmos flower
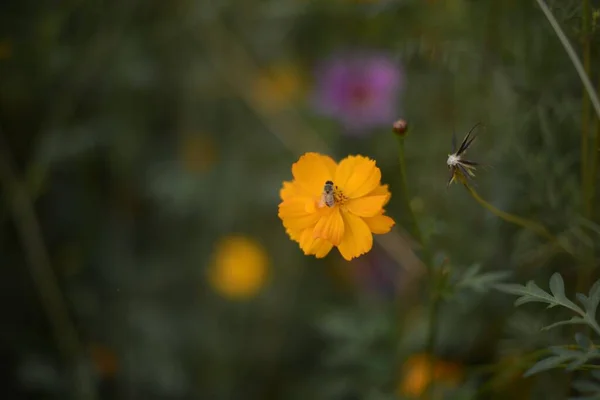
[
  {"x": 350, "y": 220},
  {"x": 417, "y": 375},
  {"x": 239, "y": 268}
]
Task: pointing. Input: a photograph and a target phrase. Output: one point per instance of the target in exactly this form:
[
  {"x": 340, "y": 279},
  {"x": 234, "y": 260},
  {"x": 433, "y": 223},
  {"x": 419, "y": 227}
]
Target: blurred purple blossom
[
  {"x": 377, "y": 274},
  {"x": 360, "y": 90}
]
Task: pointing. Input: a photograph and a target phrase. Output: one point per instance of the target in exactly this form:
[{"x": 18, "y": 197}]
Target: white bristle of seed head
[{"x": 453, "y": 159}]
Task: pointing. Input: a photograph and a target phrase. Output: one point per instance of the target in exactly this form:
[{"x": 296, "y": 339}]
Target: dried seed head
[{"x": 400, "y": 127}]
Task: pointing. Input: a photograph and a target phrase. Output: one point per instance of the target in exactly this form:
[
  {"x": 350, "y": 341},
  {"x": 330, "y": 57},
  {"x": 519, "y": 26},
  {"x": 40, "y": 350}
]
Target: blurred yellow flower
[
  {"x": 197, "y": 152},
  {"x": 239, "y": 267},
  {"x": 417, "y": 375},
  {"x": 329, "y": 204},
  {"x": 277, "y": 87}
]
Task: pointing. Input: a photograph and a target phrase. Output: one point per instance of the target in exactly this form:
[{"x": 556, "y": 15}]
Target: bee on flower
[
  {"x": 328, "y": 196},
  {"x": 331, "y": 204},
  {"x": 461, "y": 169}
]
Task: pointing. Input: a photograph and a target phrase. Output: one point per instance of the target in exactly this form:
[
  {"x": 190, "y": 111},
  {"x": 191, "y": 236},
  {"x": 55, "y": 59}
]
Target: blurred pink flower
[
  {"x": 360, "y": 90},
  {"x": 378, "y": 275}
]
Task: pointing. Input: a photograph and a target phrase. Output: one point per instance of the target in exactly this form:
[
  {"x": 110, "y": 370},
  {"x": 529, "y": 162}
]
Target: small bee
[
  {"x": 461, "y": 169},
  {"x": 327, "y": 197}
]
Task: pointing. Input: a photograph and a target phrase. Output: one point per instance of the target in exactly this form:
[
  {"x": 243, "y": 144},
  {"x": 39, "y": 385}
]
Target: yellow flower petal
[
  {"x": 344, "y": 171},
  {"x": 330, "y": 227},
  {"x": 289, "y": 190},
  {"x": 357, "y": 238},
  {"x": 368, "y": 206},
  {"x": 294, "y": 234},
  {"x": 312, "y": 245},
  {"x": 379, "y": 224},
  {"x": 311, "y": 172},
  {"x": 293, "y": 212},
  {"x": 357, "y": 176},
  {"x": 322, "y": 248},
  {"x": 379, "y": 190}
]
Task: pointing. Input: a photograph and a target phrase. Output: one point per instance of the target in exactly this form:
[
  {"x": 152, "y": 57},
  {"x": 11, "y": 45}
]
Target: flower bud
[{"x": 400, "y": 127}]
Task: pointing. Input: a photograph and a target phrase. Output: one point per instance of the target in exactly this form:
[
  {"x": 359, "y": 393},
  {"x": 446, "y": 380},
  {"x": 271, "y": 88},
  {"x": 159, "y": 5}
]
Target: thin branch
[
  {"x": 572, "y": 55},
  {"x": 45, "y": 280}
]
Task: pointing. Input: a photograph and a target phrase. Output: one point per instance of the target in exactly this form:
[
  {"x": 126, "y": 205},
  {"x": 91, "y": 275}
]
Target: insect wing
[{"x": 323, "y": 200}]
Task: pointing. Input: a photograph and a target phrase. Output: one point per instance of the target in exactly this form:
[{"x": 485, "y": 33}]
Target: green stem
[
  {"x": 416, "y": 231},
  {"x": 587, "y": 84},
  {"x": 595, "y": 164},
  {"x": 586, "y": 177},
  {"x": 513, "y": 219},
  {"x": 45, "y": 280},
  {"x": 588, "y": 166},
  {"x": 585, "y": 80},
  {"x": 434, "y": 298},
  {"x": 533, "y": 226}
]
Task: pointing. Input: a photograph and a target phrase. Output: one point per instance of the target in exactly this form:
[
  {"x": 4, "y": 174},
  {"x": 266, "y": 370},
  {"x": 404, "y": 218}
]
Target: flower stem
[
  {"x": 416, "y": 231},
  {"x": 434, "y": 298},
  {"x": 585, "y": 80},
  {"x": 583, "y": 72},
  {"x": 513, "y": 219},
  {"x": 595, "y": 163},
  {"x": 45, "y": 281},
  {"x": 533, "y": 226},
  {"x": 586, "y": 174}
]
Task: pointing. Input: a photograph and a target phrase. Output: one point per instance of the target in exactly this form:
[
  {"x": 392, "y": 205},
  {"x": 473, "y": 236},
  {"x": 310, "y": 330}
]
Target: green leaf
[
  {"x": 575, "y": 364},
  {"x": 583, "y": 299},
  {"x": 546, "y": 364},
  {"x": 511, "y": 288},
  {"x": 590, "y": 388},
  {"x": 557, "y": 287},
  {"x": 573, "y": 358},
  {"x": 593, "y": 299},
  {"x": 572, "y": 321},
  {"x": 586, "y": 386},
  {"x": 583, "y": 341},
  {"x": 480, "y": 282},
  {"x": 533, "y": 293},
  {"x": 564, "y": 351}
]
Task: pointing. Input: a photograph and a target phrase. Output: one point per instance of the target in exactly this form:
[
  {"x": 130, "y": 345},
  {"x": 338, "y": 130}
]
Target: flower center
[
  {"x": 339, "y": 197},
  {"x": 360, "y": 94},
  {"x": 453, "y": 159}
]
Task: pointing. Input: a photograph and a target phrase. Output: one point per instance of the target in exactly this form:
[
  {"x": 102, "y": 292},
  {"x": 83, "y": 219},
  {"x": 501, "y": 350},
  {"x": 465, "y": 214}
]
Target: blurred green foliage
[{"x": 137, "y": 135}]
